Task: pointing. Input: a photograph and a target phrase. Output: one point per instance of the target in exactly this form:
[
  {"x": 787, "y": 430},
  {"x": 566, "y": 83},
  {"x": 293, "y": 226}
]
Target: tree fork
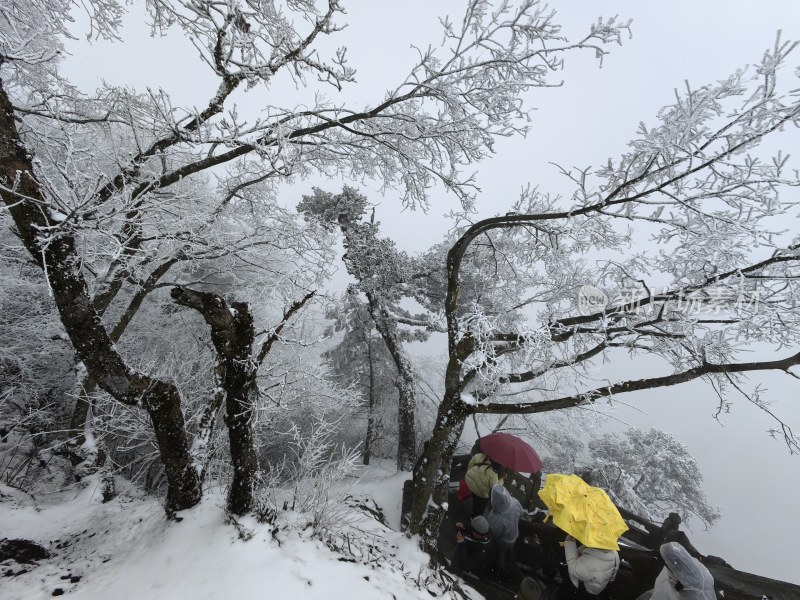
[
  {"x": 233, "y": 335},
  {"x": 88, "y": 385}
]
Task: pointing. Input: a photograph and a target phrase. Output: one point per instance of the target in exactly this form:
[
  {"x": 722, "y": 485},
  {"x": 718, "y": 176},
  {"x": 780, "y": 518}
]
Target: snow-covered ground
[{"x": 128, "y": 549}]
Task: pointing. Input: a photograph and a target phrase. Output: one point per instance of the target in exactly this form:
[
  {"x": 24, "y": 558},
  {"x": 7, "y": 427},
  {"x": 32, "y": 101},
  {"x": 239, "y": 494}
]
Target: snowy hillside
[{"x": 126, "y": 549}]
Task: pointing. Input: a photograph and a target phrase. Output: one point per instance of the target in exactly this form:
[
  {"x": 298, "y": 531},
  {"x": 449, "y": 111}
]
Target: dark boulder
[{"x": 22, "y": 551}]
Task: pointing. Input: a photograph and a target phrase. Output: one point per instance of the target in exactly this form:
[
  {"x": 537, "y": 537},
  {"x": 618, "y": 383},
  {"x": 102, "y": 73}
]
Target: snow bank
[{"x": 127, "y": 550}]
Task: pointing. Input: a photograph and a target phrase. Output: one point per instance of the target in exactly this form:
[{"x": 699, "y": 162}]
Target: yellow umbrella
[{"x": 583, "y": 511}]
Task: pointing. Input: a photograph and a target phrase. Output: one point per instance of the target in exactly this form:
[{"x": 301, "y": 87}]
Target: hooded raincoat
[
  {"x": 504, "y": 517},
  {"x": 695, "y": 580}
]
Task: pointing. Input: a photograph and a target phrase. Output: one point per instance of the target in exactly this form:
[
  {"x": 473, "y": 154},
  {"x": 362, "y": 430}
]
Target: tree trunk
[
  {"x": 163, "y": 402},
  {"x": 246, "y": 473},
  {"x": 407, "y": 404},
  {"x": 52, "y": 246},
  {"x": 432, "y": 476},
  {"x": 233, "y": 335},
  {"x": 431, "y": 479},
  {"x": 371, "y": 408}
]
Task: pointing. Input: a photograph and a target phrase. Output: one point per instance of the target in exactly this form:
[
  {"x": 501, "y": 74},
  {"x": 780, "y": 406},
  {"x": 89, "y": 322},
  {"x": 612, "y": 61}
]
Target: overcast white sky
[{"x": 582, "y": 123}]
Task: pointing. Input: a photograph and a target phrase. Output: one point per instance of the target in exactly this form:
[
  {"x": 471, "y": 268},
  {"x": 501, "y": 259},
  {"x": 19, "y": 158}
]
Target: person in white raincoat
[{"x": 682, "y": 578}]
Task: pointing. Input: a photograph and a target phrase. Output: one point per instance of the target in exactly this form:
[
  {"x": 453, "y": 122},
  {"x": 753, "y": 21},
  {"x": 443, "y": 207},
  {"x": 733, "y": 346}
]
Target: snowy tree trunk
[
  {"x": 407, "y": 406},
  {"x": 239, "y": 419},
  {"x": 430, "y": 489},
  {"x": 54, "y": 249},
  {"x": 372, "y": 404},
  {"x": 233, "y": 335},
  {"x": 431, "y": 478}
]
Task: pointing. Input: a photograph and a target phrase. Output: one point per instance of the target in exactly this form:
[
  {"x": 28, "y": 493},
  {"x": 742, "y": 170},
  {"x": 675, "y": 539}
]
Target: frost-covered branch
[{"x": 274, "y": 335}]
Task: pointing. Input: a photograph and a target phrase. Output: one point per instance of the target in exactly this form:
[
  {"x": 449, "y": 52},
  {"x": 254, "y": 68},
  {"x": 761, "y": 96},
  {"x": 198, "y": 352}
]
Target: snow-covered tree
[
  {"x": 383, "y": 275},
  {"x": 361, "y": 361},
  {"x": 35, "y": 372},
  {"x": 239, "y": 357},
  {"x": 718, "y": 274},
  {"x": 651, "y": 474}
]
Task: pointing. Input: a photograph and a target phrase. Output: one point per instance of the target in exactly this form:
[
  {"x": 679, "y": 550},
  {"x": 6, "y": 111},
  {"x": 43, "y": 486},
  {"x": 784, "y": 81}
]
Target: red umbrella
[{"x": 512, "y": 452}]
